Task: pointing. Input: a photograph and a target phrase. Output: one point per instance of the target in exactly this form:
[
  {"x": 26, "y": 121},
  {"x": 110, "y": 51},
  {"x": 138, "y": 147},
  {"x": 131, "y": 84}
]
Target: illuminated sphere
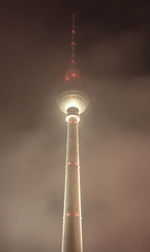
[{"x": 72, "y": 99}]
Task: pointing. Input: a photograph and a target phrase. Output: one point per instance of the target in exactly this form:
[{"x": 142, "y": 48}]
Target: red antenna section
[
  {"x": 73, "y": 73},
  {"x": 73, "y": 43}
]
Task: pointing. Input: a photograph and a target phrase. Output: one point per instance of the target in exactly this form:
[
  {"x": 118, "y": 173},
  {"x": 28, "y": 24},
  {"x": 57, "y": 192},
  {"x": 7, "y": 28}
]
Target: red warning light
[
  {"x": 76, "y": 214},
  {"x": 69, "y": 163},
  {"x": 73, "y": 32},
  {"x": 73, "y": 75},
  {"x": 76, "y": 163},
  {"x": 68, "y": 214},
  {"x": 73, "y": 43},
  {"x": 67, "y": 78}
]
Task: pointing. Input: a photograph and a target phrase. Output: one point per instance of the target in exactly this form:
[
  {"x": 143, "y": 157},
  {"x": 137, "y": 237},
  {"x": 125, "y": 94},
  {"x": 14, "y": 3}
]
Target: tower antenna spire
[
  {"x": 73, "y": 43},
  {"x": 73, "y": 73}
]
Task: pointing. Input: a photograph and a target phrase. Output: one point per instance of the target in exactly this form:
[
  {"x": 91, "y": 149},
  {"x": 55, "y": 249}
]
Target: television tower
[{"x": 72, "y": 101}]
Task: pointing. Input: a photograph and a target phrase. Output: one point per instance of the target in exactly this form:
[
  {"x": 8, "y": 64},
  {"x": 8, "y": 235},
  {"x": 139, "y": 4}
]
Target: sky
[{"x": 113, "y": 56}]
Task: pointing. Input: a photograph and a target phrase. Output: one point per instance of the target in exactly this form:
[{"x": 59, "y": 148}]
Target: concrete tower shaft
[
  {"x": 72, "y": 226},
  {"x": 72, "y": 103}
]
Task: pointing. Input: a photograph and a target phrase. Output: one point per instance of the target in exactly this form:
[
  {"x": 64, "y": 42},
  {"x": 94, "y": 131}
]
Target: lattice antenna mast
[
  {"x": 73, "y": 73},
  {"x": 73, "y": 43}
]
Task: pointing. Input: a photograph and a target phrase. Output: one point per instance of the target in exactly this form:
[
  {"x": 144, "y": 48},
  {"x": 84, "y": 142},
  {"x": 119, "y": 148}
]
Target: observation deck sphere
[{"x": 72, "y": 98}]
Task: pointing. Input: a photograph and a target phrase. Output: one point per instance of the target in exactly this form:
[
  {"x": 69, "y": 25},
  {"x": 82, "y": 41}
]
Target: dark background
[{"x": 113, "y": 55}]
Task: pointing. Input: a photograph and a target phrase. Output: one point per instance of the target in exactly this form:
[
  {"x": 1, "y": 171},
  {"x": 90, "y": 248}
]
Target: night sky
[{"x": 113, "y": 55}]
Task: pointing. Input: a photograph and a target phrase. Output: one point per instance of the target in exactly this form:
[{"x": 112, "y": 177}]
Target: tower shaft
[{"x": 72, "y": 223}]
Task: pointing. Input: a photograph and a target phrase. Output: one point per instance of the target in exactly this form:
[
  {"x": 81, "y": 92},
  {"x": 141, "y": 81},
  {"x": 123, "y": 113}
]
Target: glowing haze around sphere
[{"x": 72, "y": 99}]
